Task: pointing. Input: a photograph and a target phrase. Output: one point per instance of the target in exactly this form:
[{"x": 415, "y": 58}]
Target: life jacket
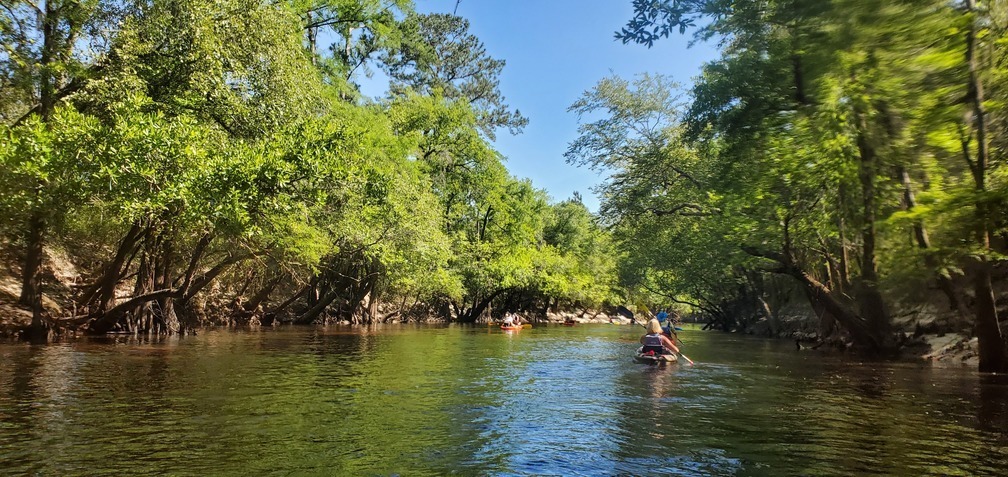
[{"x": 654, "y": 343}]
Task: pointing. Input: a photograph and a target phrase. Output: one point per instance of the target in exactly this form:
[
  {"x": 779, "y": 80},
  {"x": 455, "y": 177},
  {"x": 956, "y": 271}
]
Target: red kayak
[{"x": 516, "y": 327}]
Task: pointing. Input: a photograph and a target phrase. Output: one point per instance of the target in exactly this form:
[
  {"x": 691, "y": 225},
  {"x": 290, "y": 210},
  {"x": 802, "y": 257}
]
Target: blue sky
[{"x": 555, "y": 50}]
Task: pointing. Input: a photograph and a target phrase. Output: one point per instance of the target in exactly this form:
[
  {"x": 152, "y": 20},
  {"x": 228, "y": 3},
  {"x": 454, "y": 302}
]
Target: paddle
[{"x": 629, "y": 314}]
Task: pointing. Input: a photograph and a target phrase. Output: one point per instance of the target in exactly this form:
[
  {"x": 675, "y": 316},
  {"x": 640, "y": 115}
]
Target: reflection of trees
[
  {"x": 418, "y": 398},
  {"x": 803, "y": 417},
  {"x": 437, "y": 400},
  {"x": 329, "y": 400},
  {"x": 992, "y": 414},
  {"x": 18, "y": 389},
  {"x": 37, "y": 404}
]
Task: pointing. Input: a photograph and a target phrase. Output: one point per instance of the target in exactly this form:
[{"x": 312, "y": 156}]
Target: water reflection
[
  {"x": 424, "y": 400},
  {"x": 992, "y": 414}
]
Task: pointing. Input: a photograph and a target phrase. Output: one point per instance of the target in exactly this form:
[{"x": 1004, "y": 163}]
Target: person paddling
[
  {"x": 667, "y": 325},
  {"x": 655, "y": 340}
]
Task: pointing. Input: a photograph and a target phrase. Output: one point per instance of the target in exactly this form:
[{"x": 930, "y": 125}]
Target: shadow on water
[{"x": 992, "y": 413}]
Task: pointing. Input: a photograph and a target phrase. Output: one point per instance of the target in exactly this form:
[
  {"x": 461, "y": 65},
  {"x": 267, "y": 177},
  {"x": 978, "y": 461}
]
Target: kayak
[
  {"x": 512, "y": 328},
  {"x": 569, "y": 323},
  {"x": 650, "y": 358}
]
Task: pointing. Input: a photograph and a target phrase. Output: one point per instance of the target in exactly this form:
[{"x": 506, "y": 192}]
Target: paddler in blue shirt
[{"x": 667, "y": 326}]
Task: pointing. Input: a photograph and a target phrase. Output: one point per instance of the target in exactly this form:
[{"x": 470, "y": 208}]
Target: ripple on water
[{"x": 437, "y": 401}]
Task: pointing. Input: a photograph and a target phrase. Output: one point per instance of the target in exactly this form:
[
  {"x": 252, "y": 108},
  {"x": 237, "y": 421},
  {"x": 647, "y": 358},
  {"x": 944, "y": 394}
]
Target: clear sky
[{"x": 555, "y": 50}]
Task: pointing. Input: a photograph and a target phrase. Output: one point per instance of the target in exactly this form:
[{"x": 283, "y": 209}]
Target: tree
[
  {"x": 871, "y": 96},
  {"x": 51, "y": 50},
  {"x": 440, "y": 57},
  {"x": 362, "y": 29}
]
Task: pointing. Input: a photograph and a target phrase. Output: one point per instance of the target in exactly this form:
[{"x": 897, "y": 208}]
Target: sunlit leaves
[{"x": 439, "y": 57}]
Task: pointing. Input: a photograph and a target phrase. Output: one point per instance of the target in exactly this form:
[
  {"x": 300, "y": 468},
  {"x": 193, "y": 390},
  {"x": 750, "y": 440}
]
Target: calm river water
[{"x": 418, "y": 400}]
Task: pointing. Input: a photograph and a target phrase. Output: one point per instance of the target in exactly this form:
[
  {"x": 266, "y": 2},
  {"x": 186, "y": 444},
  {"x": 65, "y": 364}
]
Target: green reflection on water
[{"x": 415, "y": 400}]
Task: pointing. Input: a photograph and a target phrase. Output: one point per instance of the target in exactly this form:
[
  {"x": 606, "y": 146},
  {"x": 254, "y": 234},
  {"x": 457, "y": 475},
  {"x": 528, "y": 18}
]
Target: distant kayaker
[
  {"x": 663, "y": 320},
  {"x": 668, "y": 325},
  {"x": 656, "y": 341},
  {"x": 508, "y": 320}
]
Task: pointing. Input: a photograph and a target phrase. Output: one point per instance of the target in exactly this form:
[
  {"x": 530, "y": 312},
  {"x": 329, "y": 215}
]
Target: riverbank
[
  {"x": 13, "y": 318},
  {"x": 941, "y": 348},
  {"x": 927, "y": 335}
]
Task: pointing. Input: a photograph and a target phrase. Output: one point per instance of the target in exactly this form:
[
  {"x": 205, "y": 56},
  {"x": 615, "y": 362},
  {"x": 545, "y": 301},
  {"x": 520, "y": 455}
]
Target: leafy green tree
[
  {"x": 439, "y": 57},
  {"x": 50, "y": 51},
  {"x": 577, "y": 262},
  {"x": 870, "y": 96},
  {"x": 179, "y": 92},
  {"x": 661, "y": 197},
  {"x": 360, "y": 31}
]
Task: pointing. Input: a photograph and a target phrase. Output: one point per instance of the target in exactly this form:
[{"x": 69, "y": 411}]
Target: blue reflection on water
[{"x": 414, "y": 400}]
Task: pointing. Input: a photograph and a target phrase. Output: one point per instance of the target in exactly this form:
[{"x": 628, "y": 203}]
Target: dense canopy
[
  {"x": 210, "y": 163},
  {"x": 198, "y": 163}
]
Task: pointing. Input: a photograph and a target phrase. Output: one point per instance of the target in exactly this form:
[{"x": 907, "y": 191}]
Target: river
[{"x": 473, "y": 400}]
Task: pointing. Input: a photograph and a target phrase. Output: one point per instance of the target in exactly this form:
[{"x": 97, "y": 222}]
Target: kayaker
[
  {"x": 668, "y": 325},
  {"x": 508, "y": 320},
  {"x": 663, "y": 320},
  {"x": 656, "y": 341}
]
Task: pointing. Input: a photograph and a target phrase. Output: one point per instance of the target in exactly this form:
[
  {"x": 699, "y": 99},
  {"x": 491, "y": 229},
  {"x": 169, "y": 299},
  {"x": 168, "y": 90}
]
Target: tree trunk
[
  {"x": 112, "y": 273},
  {"x": 924, "y": 243},
  {"x": 107, "y": 322},
  {"x": 860, "y": 329},
  {"x": 259, "y": 298},
  {"x": 313, "y": 312},
  {"x": 141, "y": 315},
  {"x": 194, "y": 260},
  {"x": 771, "y": 317},
  {"x": 818, "y": 294},
  {"x": 990, "y": 339},
  {"x": 992, "y": 349},
  {"x": 168, "y": 319},
  {"x": 869, "y": 299},
  {"x": 311, "y": 33},
  {"x": 31, "y": 286},
  {"x": 305, "y": 290},
  {"x": 31, "y": 276},
  {"x": 473, "y": 314},
  {"x": 844, "y": 270}
]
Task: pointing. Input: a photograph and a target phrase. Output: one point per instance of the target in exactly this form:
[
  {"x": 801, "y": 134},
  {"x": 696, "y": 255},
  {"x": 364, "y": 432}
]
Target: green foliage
[
  {"x": 192, "y": 142},
  {"x": 360, "y": 31},
  {"x": 824, "y": 128},
  {"x": 48, "y": 167},
  {"x": 50, "y": 49},
  {"x": 439, "y": 57},
  {"x": 206, "y": 60}
]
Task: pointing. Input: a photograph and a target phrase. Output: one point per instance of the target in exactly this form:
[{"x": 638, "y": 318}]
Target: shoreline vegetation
[
  {"x": 835, "y": 179},
  {"x": 933, "y": 345}
]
